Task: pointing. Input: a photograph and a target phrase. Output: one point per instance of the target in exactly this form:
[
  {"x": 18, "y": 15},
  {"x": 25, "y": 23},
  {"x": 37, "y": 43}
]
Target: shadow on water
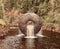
[{"x": 17, "y": 42}]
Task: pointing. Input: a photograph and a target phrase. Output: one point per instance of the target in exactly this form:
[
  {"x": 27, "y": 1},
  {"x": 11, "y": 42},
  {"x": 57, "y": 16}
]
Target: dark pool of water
[{"x": 51, "y": 41}]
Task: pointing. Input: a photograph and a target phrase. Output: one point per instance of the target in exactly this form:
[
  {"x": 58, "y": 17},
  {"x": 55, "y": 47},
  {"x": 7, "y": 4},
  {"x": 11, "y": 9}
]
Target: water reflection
[
  {"x": 51, "y": 41},
  {"x": 17, "y": 42},
  {"x": 30, "y": 43},
  {"x": 11, "y": 43}
]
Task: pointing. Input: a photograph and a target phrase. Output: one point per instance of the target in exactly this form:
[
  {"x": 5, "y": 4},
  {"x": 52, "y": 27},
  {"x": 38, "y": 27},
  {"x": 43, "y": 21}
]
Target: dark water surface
[{"x": 51, "y": 41}]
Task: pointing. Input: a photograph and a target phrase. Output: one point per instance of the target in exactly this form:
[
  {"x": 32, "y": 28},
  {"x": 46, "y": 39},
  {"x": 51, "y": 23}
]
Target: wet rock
[{"x": 30, "y": 17}]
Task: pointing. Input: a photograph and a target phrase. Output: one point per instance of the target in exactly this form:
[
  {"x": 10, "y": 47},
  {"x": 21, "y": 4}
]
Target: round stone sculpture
[{"x": 25, "y": 18}]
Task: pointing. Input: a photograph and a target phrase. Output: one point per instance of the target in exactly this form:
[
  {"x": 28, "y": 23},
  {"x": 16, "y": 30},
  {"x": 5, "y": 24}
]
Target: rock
[{"x": 30, "y": 17}]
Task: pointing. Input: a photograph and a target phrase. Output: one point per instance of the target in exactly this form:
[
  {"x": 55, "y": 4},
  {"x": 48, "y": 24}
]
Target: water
[
  {"x": 30, "y": 43},
  {"x": 20, "y": 34},
  {"x": 45, "y": 40},
  {"x": 30, "y": 31},
  {"x": 40, "y": 33},
  {"x": 18, "y": 42}
]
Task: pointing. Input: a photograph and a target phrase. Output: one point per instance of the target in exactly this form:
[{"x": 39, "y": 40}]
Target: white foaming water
[
  {"x": 30, "y": 31},
  {"x": 20, "y": 34},
  {"x": 40, "y": 34}
]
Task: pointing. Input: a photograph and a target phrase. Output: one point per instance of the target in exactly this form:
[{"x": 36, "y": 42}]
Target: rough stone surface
[{"x": 30, "y": 17}]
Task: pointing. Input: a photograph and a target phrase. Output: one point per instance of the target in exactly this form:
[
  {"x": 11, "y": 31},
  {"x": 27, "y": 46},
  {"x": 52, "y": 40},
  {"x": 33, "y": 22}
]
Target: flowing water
[
  {"x": 39, "y": 34},
  {"x": 30, "y": 31}
]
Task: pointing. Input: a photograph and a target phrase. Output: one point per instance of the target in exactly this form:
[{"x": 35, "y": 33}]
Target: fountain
[
  {"x": 30, "y": 24},
  {"x": 30, "y": 30}
]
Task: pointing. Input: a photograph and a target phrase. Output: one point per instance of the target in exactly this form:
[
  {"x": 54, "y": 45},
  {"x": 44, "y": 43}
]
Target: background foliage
[{"x": 48, "y": 10}]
